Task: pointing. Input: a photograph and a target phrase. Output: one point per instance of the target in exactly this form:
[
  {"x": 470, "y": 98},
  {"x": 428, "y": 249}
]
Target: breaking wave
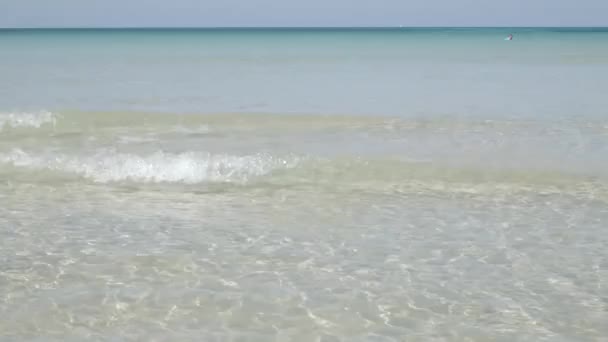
[
  {"x": 159, "y": 167},
  {"x": 25, "y": 119},
  {"x": 314, "y": 174}
]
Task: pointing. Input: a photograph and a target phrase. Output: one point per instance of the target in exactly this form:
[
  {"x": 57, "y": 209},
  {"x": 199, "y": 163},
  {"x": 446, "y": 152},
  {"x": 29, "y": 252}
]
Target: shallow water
[{"x": 133, "y": 213}]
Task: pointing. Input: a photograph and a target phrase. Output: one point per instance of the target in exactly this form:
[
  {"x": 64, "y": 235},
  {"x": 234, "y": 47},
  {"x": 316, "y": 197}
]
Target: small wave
[
  {"x": 198, "y": 130},
  {"x": 125, "y": 140},
  {"x": 159, "y": 167},
  {"x": 304, "y": 172},
  {"x": 24, "y": 119}
]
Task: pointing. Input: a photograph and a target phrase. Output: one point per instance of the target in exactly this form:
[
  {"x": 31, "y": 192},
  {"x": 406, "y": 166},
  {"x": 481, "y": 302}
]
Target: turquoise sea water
[
  {"x": 304, "y": 184},
  {"x": 382, "y": 71}
]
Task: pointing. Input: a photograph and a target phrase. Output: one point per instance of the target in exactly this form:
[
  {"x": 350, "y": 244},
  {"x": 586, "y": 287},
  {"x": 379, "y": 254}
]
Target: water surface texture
[{"x": 304, "y": 185}]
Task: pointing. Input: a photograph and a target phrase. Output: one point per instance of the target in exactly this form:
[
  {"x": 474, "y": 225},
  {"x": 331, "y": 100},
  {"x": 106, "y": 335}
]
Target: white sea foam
[
  {"x": 160, "y": 167},
  {"x": 26, "y": 119}
]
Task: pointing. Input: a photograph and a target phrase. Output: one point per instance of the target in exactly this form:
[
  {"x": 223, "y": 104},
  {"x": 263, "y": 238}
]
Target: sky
[{"x": 295, "y": 13}]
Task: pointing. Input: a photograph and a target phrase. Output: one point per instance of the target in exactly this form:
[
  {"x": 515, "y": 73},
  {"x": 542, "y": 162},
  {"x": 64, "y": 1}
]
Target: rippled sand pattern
[{"x": 290, "y": 265}]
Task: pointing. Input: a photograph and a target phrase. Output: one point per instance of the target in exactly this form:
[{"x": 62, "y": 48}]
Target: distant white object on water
[{"x": 510, "y": 37}]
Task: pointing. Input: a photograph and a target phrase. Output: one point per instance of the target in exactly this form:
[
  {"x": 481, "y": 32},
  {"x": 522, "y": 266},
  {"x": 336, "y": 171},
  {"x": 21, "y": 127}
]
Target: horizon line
[{"x": 289, "y": 27}]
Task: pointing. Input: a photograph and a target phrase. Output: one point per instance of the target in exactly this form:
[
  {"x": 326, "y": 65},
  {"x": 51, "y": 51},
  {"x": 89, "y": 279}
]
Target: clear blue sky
[{"x": 131, "y": 13}]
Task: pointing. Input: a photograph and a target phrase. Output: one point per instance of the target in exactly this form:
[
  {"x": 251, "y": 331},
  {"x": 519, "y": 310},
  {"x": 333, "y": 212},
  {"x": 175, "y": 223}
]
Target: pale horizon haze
[{"x": 313, "y": 13}]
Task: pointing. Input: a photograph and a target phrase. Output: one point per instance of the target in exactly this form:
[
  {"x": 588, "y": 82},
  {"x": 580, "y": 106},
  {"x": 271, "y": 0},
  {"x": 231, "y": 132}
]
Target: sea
[{"x": 327, "y": 184}]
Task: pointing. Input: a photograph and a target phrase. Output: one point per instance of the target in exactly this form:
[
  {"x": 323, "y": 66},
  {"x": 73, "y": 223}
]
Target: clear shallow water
[{"x": 303, "y": 185}]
